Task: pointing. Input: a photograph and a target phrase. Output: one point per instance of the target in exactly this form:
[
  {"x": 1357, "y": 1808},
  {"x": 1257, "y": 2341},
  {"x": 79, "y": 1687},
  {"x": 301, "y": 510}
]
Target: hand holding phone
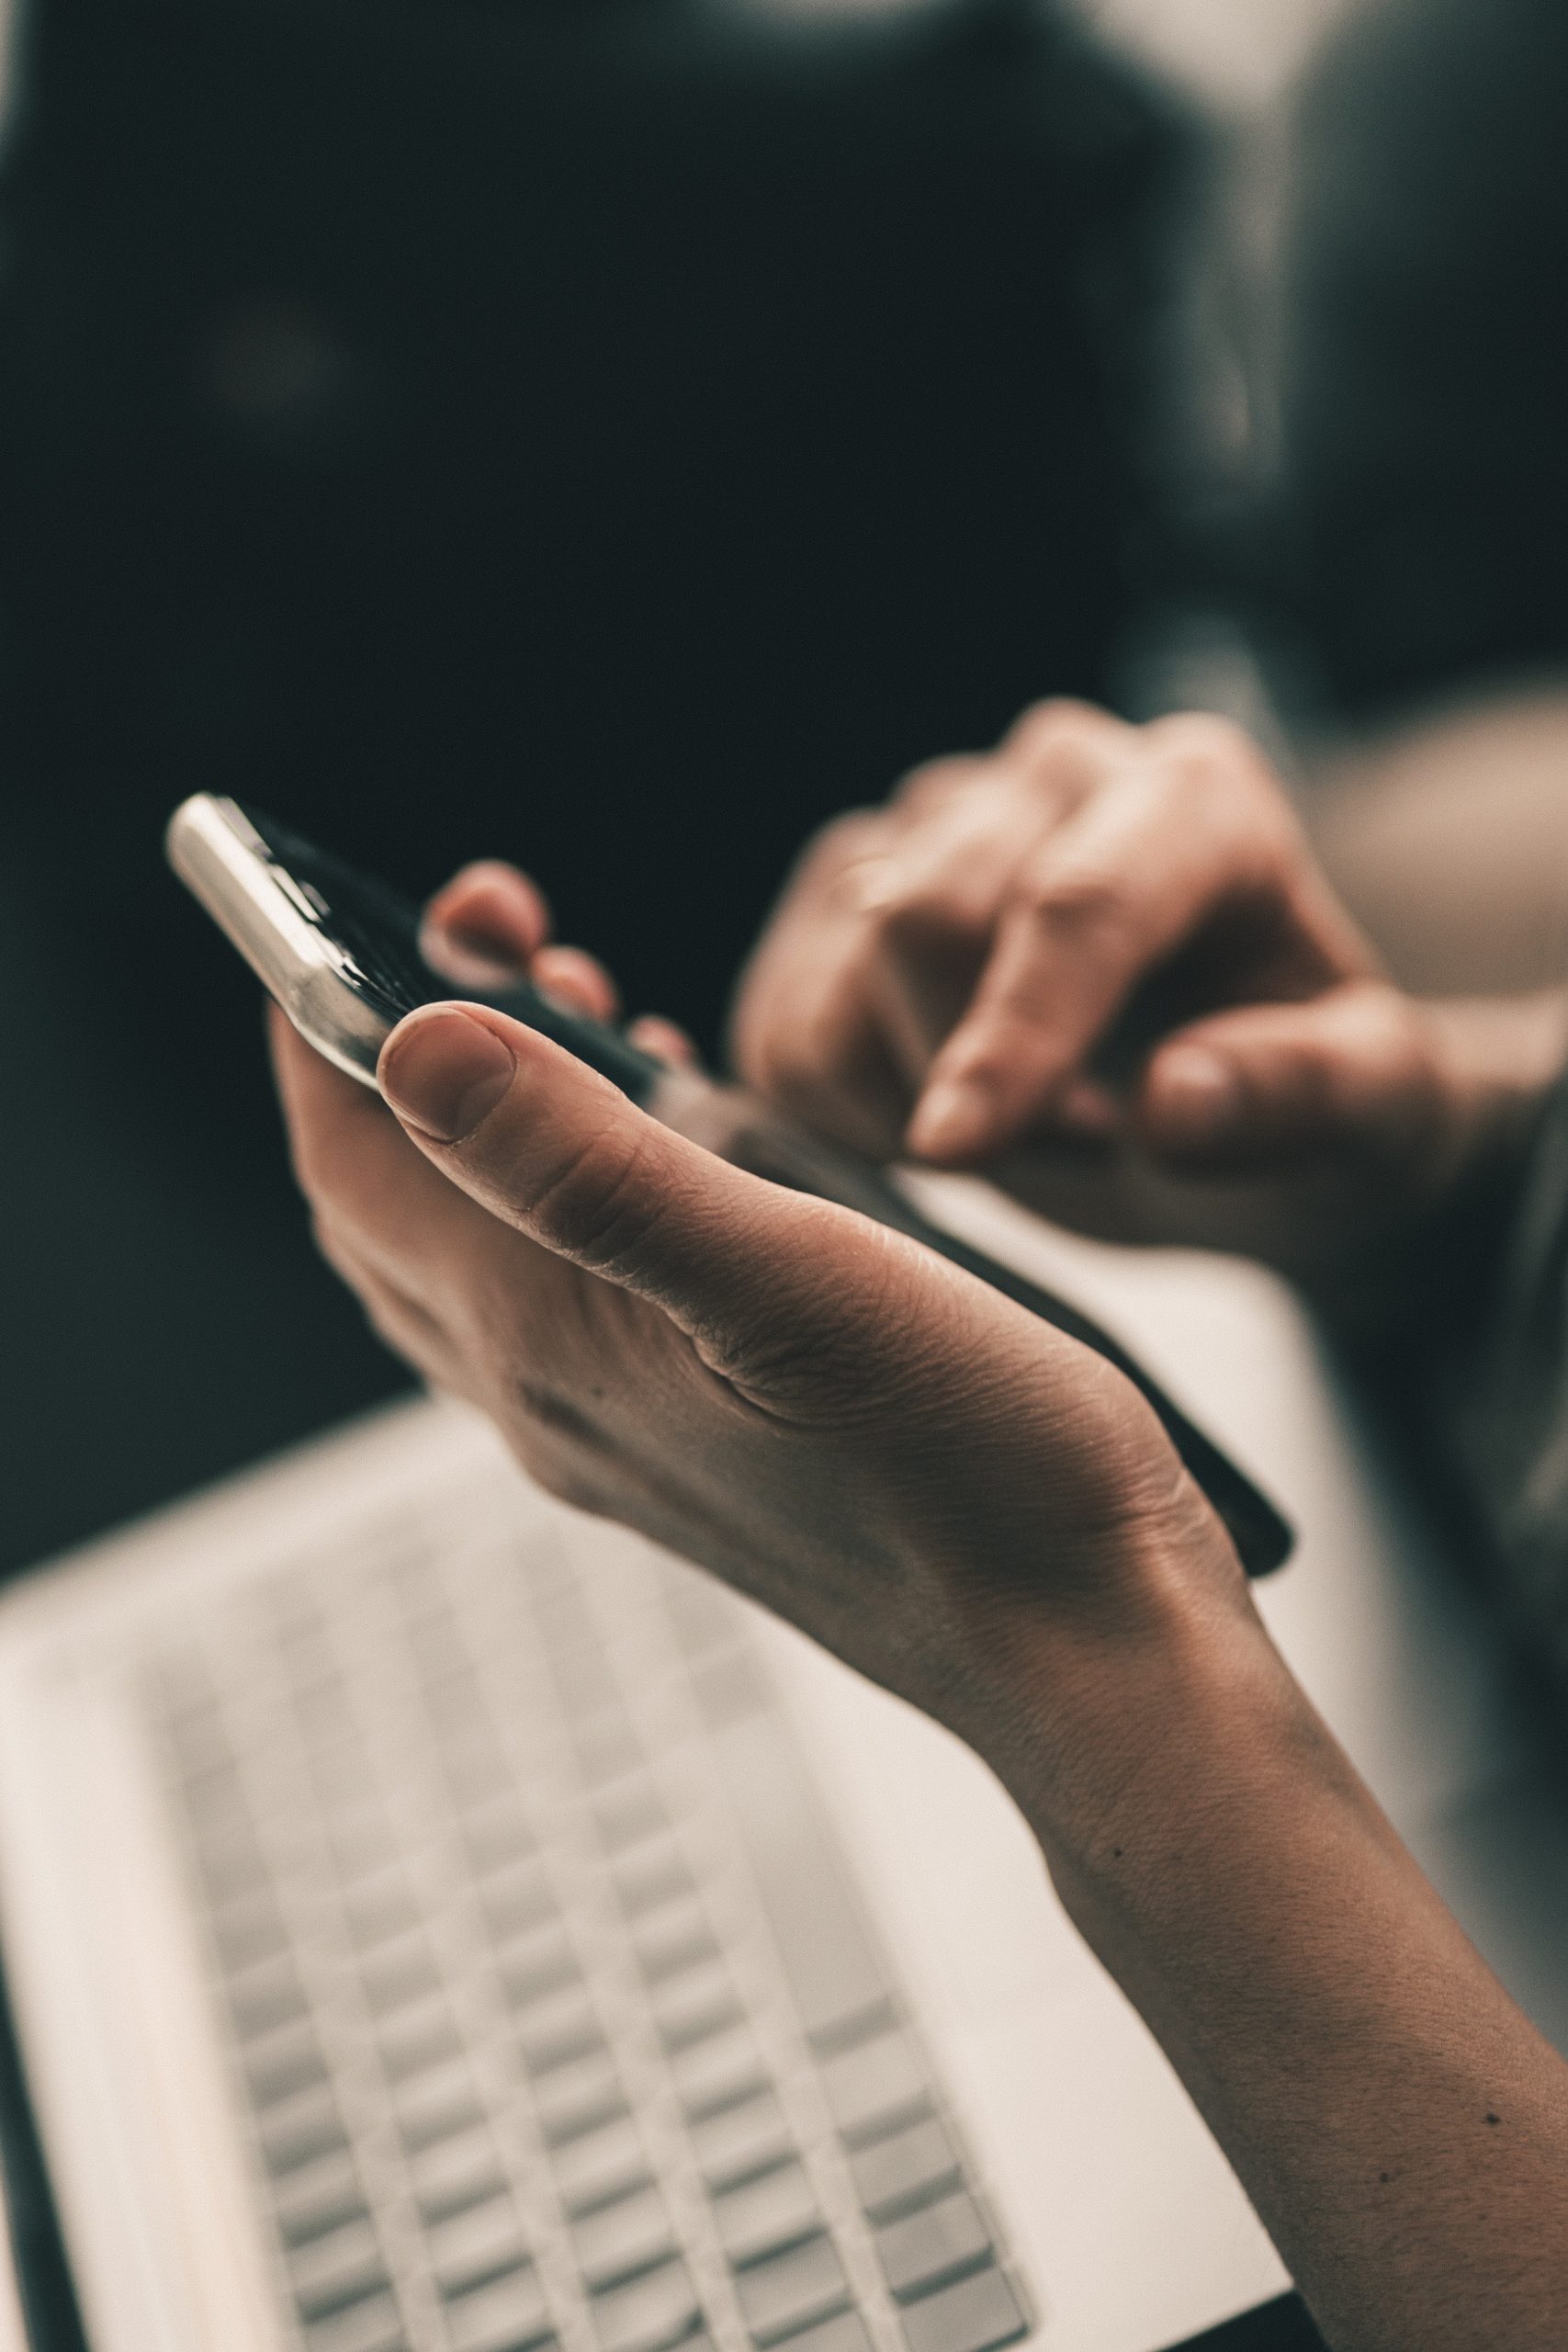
[{"x": 341, "y": 955}]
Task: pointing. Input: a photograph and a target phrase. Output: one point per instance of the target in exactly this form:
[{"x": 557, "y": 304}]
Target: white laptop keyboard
[{"x": 553, "y": 2017}]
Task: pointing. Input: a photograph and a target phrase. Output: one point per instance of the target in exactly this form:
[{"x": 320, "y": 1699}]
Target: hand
[
  {"x": 969, "y": 1508},
  {"x": 1102, "y": 963},
  {"x": 986, "y": 1518}
]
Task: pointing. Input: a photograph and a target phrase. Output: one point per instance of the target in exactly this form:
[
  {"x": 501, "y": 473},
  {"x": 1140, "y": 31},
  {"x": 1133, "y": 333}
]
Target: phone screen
[{"x": 378, "y": 934}]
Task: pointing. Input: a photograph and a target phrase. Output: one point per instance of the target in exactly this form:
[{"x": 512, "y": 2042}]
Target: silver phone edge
[{"x": 220, "y": 860}]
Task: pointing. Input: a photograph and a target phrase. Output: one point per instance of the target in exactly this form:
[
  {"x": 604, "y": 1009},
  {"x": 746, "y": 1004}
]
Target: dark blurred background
[{"x": 618, "y": 434}]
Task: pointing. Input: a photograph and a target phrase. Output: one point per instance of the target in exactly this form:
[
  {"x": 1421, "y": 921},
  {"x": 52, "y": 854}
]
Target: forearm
[{"x": 1399, "y": 2125}]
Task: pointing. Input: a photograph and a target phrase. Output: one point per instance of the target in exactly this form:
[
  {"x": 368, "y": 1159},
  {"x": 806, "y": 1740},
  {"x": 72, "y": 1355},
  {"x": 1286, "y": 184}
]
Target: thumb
[
  {"x": 1356, "y": 1071},
  {"x": 550, "y": 1147}
]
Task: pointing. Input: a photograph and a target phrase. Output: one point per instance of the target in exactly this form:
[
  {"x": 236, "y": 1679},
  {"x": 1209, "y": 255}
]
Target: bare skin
[
  {"x": 987, "y": 1519},
  {"x": 1103, "y": 964}
]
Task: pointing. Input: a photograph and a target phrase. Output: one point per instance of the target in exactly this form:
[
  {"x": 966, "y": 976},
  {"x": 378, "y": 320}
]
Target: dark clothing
[
  {"x": 1504, "y": 1399},
  {"x": 1424, "y": 352}
]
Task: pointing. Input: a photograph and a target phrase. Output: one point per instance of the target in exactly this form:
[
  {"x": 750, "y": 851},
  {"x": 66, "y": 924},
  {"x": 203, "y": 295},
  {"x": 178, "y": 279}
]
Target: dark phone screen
[{"x": 378, "y": 930}]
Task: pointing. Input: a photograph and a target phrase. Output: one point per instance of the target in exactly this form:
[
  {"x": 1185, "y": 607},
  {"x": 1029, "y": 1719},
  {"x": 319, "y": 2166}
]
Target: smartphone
[{"x": 341, "y": 954}]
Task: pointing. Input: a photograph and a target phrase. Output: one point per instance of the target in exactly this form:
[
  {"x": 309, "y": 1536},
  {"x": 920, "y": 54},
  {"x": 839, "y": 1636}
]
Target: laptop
[{"x": 438, "y": 1922}]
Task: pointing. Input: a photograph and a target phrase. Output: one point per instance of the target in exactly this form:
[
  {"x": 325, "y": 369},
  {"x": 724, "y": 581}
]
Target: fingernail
[
  {"x": 444, "y": 1071},
  {"x": 951, "y": 1119},
  {"x": 1198, "y": 1093},
  {"x": 468, "y": 958}
]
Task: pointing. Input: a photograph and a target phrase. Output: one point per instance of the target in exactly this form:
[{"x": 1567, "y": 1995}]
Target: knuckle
[
  {"x": 920, "y": 910},
  {"x": 934, "y": 782},
  {"x": 1057, "y": 718},
  {"x": 1082, "y": 900},
  {"x": 595, "y": 1206},
  {"x": 1205, "y": 740},
  {"x": 1211, "y": 761},
  {"x": 858, "y": 834}
]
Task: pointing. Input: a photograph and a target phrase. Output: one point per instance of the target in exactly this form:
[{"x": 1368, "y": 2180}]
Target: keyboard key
[
  {"x": 575, "y": 2097},
  {"x": 248, "y": 1929},
  {"x": 278, "y": 2064},
  {"x": 874, "y": 2084},
  {"x": 975, "y": 2315},
  {"x": 515, "y": 1900},
  {"x": 232, "y": 1865},
  {"x": 828, "y": 1960},
  {"x": 742, "y": 2139},
  {"x": 373, "y": 2325},
  {"x": 301, "y": 2127},
  {"x": 380, "y": 1908},
  {"x": 705, "y": 1616},
  {"x": 363, "y": 1844},
  {"x": 502, "y": 2315},
  {"x": 627, "y": 1813},
  {"x": 473, "y": 1761},
  {"x": 395, "y": 1973},
  {"x": 343, "y": 2267},
  {"x": 556, "y": 2031},
  {"x": 777, "y": 2209},
  {"x": 846, "y": 2333},
  {"x": 651, "y": 1875},
  {"x": 599, "y": 2166},
  {"x": 696, "y": 2003},
  {"x": 892, "y": 2175},
  {"x": 715, "y": 2073},
  {"x": 730, "y": 1685},
  {"x": 475, "y": 2245},
  {"x": 414, "y": 2038},
  {"x": 622, "y": 2238},
  {"x": 321, "y": 2196},
  {"x": 658, "y": 2309},
  {"x": 786, "y": 2292},
  {"x": 436, "y": 2105},
  {"x": 606, "y": 1750},
  {"x": 266, "y": 1996},
  {"x": 539, "y": 1965},
  {"x": 938, "y": 2242},
  {"x": 453, "y": 2174},
  {"x": 497, "y": 1837},
  {"x": 672, "y": 1938}
]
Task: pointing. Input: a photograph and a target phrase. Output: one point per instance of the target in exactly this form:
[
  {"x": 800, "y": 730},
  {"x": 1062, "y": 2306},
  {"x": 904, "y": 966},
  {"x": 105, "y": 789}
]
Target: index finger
[
  {"x": 1112, "y": 893},
  {"x": 485, "y": 924}
]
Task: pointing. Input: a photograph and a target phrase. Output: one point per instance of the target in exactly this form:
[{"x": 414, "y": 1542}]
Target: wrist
[
  {"x": 1169, "y": 1800},
  {"x": 1117, "y": 1715}
]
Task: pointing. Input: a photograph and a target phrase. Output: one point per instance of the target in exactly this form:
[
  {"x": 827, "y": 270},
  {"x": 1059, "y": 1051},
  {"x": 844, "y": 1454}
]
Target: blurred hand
[
  {"x": 968, "y": 1506},
  {"x": 1102, "y": 964}
]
